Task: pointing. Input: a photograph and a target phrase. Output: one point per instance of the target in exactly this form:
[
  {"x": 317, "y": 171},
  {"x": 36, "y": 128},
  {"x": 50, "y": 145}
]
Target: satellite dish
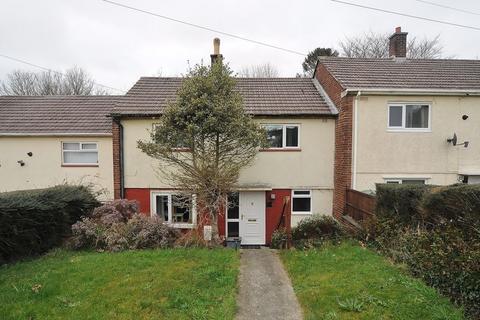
[{"x": 453, "y": 140}]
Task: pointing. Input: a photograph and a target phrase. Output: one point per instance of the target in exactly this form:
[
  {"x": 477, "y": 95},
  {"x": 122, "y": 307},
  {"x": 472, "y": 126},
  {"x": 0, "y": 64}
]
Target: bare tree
[
  {"x": 265, "y": 70},
  {"x": 75, "y": 81},
  {"x": 375, "y": 45}
]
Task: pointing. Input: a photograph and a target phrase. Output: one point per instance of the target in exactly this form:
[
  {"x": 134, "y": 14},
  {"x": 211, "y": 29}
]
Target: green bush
[
  {"x": 315, "y": 230},
  {"x": 401, "y": 202},
  {"x": 279, "y": 239},
  {"x": 439, "y": 241},
  {"x": 33, "y": 221}
]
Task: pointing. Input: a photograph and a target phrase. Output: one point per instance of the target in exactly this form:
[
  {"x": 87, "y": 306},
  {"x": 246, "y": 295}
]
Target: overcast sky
[{"x": 117, "y": 46}]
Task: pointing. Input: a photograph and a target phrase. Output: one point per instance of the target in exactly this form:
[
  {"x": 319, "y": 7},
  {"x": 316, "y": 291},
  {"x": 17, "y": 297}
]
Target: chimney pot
[
  {"x": 216, "y": 46},
  {"x": 398, "y": 44},
  {"x": 216, "y": 56}
]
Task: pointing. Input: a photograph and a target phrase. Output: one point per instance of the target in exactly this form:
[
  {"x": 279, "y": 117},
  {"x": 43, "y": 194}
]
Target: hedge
[
  {"x": 435, "y": 231},
  {"x": 33, "y": 221}
]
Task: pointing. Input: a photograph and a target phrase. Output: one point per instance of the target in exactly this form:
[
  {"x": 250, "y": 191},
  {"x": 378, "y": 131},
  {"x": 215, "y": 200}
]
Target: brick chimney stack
[
  {"x": 398, "y": 44},
  {"x": 216, "y": 56}
]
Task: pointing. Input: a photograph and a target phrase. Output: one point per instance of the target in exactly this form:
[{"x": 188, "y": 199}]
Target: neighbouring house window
[
  {"x": 413, "y": 117},
  {"x": 82, "y": 153},
  {"x": 174, "y": 208},
  {"x": 405, "y": 181},
  {"x": 283, "y": 135},
  {"x": 301, "y": 201}
]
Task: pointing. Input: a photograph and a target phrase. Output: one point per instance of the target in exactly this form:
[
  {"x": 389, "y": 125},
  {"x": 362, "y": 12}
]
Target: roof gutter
[
  {"x": 69, "y": 134},
  {"x": 397, "y": 91}
]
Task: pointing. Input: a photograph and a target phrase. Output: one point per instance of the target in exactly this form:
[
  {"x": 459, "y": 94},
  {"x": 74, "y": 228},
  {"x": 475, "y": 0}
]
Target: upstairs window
[
  {"x": 80, "y": 153},
  {"x": 409, "y": 117},
  {"x": 283, "y": 136}
]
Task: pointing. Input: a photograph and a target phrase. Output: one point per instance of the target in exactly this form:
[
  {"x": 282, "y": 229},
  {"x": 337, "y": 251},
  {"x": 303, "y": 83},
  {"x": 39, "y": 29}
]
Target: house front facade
[{"x": 290, "y": 180}]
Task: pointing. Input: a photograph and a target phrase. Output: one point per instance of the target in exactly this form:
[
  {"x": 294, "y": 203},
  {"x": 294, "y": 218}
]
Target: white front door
[{"x": 252, "y": 217}]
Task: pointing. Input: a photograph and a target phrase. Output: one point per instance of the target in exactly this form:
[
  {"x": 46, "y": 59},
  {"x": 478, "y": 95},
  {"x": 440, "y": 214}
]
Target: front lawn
[
  {"x": 148, "y": 284},
  {"x": 350, "y": 282}
]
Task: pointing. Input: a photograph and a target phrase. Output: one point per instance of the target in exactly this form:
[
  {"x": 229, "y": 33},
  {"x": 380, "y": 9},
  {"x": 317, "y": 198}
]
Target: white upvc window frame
[
  {"x": 169, "y": 194},
  {"x": 401, "y": 180},
  {"x": 303, "y": 196},
  {"x": 403, "y": 127},
  {"x": 284, "y": 135},
  {"x": 80, "y": 150}
]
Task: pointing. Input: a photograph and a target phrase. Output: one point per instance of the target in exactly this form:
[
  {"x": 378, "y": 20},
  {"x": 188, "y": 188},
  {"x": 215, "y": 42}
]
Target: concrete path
[{"x": 265, "y": 289}]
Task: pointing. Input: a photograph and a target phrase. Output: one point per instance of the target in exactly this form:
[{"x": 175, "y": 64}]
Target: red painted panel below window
[
  {"x": 280, "y": 204},
  {"x": 142, "y": 195}
]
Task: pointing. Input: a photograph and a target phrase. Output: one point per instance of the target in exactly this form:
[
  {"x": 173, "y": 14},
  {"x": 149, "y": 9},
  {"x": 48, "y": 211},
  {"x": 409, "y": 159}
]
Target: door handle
[{"x": 241, "y": 217}]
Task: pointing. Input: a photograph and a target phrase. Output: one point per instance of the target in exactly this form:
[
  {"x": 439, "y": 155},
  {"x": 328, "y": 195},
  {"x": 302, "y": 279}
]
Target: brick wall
[
  {"x": 116, "y": 160},
  {"x": 343, "y": 138}
]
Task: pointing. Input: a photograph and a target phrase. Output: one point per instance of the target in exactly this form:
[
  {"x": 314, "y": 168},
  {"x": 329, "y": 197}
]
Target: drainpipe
[
  {"x": 355, "y": 139},
  {"x": 122, "y": 161}
]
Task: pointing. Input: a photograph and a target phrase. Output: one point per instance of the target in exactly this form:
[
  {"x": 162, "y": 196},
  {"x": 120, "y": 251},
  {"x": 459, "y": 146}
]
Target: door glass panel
[
  {"x": 233, "y": 229},
  {"x": 233, "y": 209},
  {"x": 162, "y": 207}
]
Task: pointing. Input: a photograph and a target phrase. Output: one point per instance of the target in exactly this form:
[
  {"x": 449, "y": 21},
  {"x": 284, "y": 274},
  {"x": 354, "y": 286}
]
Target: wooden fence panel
[{"x": 359, "y": 205}]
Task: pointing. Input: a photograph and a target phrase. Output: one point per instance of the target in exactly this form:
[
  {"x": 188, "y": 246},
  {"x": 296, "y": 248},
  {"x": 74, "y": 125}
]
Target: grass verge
[
  {"x": 148, "y": 284},
  {"x": 350, "y": 282}
]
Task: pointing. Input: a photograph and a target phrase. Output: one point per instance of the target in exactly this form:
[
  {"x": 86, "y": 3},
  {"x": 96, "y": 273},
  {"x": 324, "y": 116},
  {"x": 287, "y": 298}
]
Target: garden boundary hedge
[{"x": 33, "y": 221}]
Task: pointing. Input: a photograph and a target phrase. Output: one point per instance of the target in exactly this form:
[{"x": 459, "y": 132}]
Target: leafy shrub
[
  {"x": 315, "y": 230},
  {"x": 279, "y": 239},
  {"x": 118, "y": 226},
  {"x": 34, "y": 221},
  {"x": 401, "y": 202},
  {"x": 440, "y": 242}
]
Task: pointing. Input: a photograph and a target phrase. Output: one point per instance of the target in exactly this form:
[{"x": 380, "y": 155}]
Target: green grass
[
  {"x": 149, "y": 284},
  {"x": 350, "y": 282}
]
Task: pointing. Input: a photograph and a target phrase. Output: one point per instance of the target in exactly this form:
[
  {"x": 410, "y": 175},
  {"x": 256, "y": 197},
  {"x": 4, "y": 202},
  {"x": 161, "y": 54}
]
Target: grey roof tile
[
  {"x": 261, "y": 96},
  {"x": 443, "y": 74},
  {"x": 56, "y": 114}
]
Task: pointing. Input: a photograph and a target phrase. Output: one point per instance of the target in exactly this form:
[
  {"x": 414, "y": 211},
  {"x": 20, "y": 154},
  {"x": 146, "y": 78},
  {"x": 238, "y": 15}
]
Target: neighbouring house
[
  {"x": 356, "y": 123},
  {"x": 403, "y": 120},
  {"x": 56, "y": 139}
]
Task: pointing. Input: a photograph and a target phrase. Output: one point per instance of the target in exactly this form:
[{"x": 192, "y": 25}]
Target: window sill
[
  {"x": 182, "y": 225},
  {"x": 80, "y": 165},
  {"x": 409, "y": 130},
  {"x": 301, "y": 213},
  {"x": 281, "y": 150}
]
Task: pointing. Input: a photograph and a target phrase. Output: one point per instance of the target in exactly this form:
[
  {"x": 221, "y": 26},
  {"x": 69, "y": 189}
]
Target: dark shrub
[
  {"x": 458, "y": 205},
  {"x": 401, "y": 202},
  {"x": 117, "y": 226},
  {"x": 315, "y": 230},
  {"x": 33, "y": 221},
  {"x": 439, "y": 242}
]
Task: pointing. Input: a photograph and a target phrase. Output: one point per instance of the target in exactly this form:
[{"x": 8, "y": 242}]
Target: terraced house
[{"x": 356, "y": 123}]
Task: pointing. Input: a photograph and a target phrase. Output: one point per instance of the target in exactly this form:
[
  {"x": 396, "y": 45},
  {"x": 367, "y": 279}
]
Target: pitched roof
[
  {"x": 440, "y": 74},
  {"x": 37, "y": 115},
  {"x": 261, "y": 96}
]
